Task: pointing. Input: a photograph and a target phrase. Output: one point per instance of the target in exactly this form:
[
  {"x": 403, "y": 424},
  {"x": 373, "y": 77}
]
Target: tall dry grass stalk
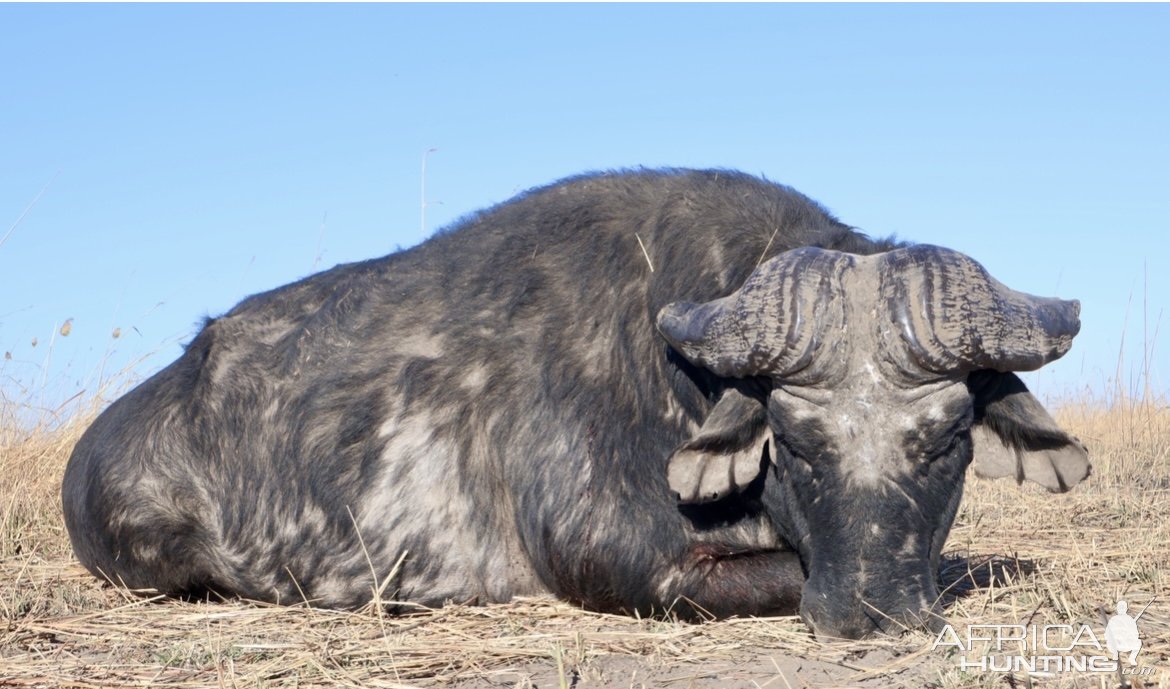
[{"x": 1016, "y": 555}]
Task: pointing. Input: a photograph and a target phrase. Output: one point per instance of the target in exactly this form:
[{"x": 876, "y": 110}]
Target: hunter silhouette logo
[{"x": 1121, "y": 634}]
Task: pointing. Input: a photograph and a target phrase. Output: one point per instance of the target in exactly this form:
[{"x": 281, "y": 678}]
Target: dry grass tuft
[
  {"x": 1015, "y": 556},
  {"x": 32, "y": 461}
]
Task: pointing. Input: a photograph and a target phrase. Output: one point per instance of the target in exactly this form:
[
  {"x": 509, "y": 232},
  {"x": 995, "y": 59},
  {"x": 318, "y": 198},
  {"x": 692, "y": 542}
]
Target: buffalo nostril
[
  {"x": 865, "y": 621},
  {"x": 828, "y": 625},
  {"x": 850, "y": 631}
]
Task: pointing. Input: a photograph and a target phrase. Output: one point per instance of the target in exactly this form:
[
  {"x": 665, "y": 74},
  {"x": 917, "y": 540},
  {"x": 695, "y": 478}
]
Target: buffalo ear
[
  {"x": 726, "y": 455},
  {"x": 1014, "y": 436}
]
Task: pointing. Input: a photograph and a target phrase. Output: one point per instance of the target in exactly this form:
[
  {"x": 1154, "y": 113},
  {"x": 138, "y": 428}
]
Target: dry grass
[{"x": 1020, "y": 556}]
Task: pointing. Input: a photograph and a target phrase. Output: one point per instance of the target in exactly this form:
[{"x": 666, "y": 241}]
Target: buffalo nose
[
  {"x": 864, "y": 621},
  {"x": 851, "y": 628},
  {"x": 831, "y": 622}
]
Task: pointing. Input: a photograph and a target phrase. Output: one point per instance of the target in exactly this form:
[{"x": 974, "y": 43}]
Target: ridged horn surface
[
  {"x": 773, "y": 325},
  {"x": 952, "y": 316}
]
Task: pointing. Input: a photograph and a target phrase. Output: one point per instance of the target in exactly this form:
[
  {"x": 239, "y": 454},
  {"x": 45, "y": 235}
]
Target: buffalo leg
[{"x": 715, "y": 580}]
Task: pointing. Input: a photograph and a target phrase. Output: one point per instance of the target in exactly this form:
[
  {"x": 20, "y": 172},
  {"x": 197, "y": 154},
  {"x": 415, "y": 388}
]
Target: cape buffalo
[{"x": 649, "y": 391}]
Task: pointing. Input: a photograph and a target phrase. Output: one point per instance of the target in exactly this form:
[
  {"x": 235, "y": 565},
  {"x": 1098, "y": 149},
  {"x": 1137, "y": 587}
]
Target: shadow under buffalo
[{"x": 960, "y": 576}]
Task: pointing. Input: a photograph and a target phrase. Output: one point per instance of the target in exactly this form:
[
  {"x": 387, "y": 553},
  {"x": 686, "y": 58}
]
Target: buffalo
[{"x": 657, "y": 392}]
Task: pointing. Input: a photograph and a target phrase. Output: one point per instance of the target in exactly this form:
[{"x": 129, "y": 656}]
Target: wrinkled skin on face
[
  {"x": 888, "y": 375},
  {"x": 867, "y": 483}
]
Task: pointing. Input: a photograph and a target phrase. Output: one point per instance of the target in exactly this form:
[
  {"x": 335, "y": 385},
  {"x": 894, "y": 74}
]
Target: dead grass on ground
[{"x": 1016, "y": 556}]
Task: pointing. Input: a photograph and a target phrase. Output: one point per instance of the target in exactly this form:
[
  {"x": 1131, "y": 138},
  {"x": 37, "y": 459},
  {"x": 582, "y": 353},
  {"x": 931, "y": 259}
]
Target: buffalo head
[{"x": 878, "y": 373}]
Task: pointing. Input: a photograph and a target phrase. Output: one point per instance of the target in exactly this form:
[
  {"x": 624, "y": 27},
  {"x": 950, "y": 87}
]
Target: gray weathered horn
[
  {"x": 773, "y": 325},
  {"x": 952, "y": 316}
]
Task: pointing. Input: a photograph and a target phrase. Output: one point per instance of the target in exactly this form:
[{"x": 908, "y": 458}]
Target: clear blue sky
[{"x": 195, "y": 154}]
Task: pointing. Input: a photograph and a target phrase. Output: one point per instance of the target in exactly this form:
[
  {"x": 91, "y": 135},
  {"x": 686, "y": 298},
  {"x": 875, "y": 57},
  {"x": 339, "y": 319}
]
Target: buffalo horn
[
  {"x": 773, "y": 325},
  {"x": 952, "y": 316}
]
